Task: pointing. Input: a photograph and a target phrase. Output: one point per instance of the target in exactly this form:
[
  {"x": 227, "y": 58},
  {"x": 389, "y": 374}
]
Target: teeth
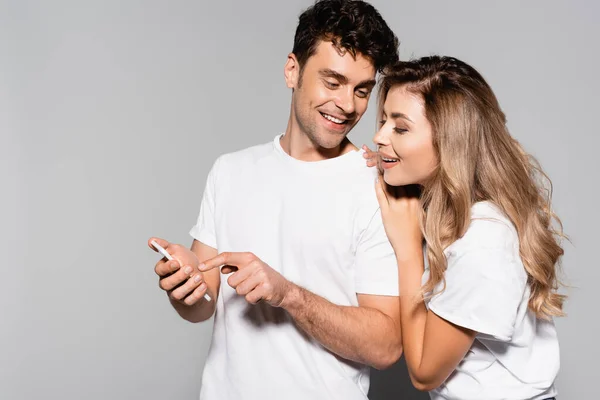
[
  {"x": 388, "y": 159},
  {"x": 333, "y": 119}
]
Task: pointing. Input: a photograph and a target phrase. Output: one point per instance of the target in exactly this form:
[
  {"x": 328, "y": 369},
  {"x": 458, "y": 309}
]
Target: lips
[
  {"x": 387, "y": 158},
  {"x": 335, "y": 123},
  {"x": 387, "y": 161},
  {"x": 334, "y": 119}
]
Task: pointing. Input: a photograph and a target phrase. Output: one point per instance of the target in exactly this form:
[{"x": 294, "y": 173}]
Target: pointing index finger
[
  {"x": 225, "y": 258},
  {"x": 234, "y": 259}
]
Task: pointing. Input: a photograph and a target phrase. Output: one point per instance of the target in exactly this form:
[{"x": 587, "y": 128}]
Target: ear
[{"x": 291, "y": 71}]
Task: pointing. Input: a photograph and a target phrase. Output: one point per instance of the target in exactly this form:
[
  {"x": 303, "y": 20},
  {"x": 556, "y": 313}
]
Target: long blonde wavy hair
[{"x": 479, "y": 160}]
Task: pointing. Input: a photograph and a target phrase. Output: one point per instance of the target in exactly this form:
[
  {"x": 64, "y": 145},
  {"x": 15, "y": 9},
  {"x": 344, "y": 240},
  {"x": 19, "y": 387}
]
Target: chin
[
  {"x": 329, "y": 140},
  {"x": 395, "y": 180}
]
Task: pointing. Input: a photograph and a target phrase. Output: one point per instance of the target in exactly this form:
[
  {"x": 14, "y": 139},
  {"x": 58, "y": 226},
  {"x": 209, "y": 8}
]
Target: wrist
[{"x": 292, "y": 297}]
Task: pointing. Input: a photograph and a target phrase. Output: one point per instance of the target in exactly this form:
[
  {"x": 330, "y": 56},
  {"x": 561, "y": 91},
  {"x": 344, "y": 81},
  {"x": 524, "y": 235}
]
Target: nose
[
  {"x": 382, "y": 137},
  {"x": 345, "y": 101}
]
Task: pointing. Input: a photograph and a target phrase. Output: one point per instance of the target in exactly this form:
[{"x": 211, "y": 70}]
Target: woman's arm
[{"x": 433, "y": 347}]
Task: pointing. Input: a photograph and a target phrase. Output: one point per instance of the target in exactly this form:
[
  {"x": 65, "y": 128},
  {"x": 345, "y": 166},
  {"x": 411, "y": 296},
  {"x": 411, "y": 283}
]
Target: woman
[{"x": 477, "y": 310}]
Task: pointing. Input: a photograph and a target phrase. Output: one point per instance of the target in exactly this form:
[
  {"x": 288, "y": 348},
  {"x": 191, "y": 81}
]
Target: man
[{"x": 307, "y": 296}]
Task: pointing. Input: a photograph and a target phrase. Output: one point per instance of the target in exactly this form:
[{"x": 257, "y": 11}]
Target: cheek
[
  {"x": 428, "y": 153},
  {"x": 319, "y": 94},
  {"x": 414, "y": 149},
  {"x": 403, "y": 146},
  {"x": 432, "y": 158},
  {"x": 360, "y": 107},
  {"x": 424, "y": 151},
  {"x": 310, "y": 94},
  {"x": 361, "y": 104}
]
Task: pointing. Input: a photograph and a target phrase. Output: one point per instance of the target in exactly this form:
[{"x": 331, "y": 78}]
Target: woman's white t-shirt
[{"x": 515, "y": 355}]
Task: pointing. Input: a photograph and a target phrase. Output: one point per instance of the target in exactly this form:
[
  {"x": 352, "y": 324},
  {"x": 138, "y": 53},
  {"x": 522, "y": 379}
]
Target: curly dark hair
[{"x": 351, "y": 25}]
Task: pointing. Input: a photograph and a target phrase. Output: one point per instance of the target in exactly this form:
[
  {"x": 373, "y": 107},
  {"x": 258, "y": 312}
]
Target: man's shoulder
[
  {"x": 244, "y": 157},
  {"x": 366, "y": 175},
  {"x": 360, "y": 189},
  {"x": 362, "y": 178},
  {"x": 249, "y": 153}
]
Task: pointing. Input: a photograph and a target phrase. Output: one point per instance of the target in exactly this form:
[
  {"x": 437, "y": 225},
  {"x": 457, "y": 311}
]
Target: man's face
[{"x": 331, "y": 95}]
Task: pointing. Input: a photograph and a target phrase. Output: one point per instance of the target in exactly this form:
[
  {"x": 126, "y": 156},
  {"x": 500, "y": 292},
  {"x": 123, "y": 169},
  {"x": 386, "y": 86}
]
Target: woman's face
[{"x": 404, "y": 140}]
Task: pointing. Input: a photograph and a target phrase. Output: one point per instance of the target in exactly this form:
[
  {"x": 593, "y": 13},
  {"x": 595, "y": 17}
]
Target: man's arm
[{"x": 369, "y": 334}]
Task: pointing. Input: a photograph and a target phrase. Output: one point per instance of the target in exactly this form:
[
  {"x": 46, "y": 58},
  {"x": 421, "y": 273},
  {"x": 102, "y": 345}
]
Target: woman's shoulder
[{"x": 489, "y": 229}]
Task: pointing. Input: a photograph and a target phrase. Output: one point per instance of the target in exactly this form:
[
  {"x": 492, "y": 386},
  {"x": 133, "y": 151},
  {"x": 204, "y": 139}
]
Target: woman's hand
[
  {"x": 401, "y": 211},
  {"x": 370, "y": 156}
]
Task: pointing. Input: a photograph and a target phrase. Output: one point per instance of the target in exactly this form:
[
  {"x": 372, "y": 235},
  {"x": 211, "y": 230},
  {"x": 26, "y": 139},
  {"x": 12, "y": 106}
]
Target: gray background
[{"x": 111, "y": 113}]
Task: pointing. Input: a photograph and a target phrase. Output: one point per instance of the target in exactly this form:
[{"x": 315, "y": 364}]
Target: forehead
[
  {"x": 401, "y": 100},
  {"x": 341, "y": 61}
]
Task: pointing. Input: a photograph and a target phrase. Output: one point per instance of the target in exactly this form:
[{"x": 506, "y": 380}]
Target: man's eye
[
  {"x": 362, "y": 93},
  {"x": 332, "y": 85}
]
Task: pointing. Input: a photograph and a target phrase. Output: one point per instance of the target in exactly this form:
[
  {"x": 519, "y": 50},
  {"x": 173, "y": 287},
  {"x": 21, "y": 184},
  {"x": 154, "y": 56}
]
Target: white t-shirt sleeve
[
  {"x": 376, "y": 270},
  {"x": 484, "y": 288},
  {"x": 204, "y": 230}
]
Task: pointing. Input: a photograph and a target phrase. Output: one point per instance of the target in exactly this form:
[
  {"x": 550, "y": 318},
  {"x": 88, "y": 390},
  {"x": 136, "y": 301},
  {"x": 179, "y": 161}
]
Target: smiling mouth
[
  {"x": 333, "y": 119},
  {"x": 388, "y": 160}
]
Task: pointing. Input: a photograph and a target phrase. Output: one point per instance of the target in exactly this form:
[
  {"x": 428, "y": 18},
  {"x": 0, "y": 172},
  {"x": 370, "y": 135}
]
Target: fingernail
[
  {"x": 201, "y": 267},
  {"x": 174, "y": 266},
  {"x": 187, "y": 270},
  {"x": 202, "y": 286},
  {"x": 197, "y": 278}
]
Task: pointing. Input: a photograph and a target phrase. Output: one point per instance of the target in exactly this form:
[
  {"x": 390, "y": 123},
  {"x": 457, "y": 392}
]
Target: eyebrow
[
  {"x": 329, "y": 73},
  {"x": 396, "y": 115}
]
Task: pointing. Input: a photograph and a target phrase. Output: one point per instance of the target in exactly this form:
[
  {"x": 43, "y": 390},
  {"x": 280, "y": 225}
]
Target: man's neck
[{"x": 299, "y": 146}]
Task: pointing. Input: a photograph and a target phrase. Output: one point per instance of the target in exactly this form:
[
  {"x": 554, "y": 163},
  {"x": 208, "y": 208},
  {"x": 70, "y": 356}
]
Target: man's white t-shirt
[
  {"x": 515, "y": 356},
  {"x": 319, "y": 225}
]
